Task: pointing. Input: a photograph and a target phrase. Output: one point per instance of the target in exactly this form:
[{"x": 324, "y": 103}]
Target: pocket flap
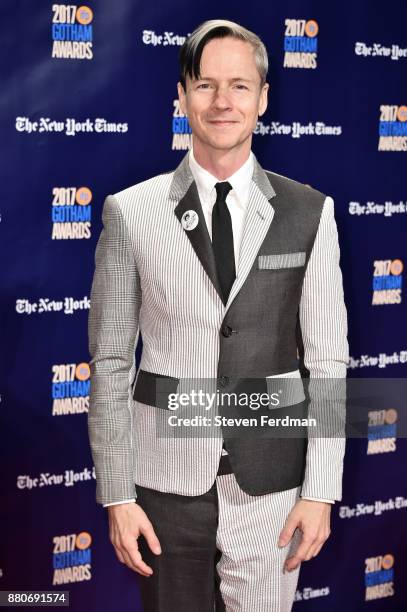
[{"x": 281, "y": 260}]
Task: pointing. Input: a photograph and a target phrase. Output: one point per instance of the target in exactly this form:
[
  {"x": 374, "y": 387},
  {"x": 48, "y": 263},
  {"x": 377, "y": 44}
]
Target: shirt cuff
[
  {"x": 125, "y": 501},
  {"x": 328, "y": 501}
]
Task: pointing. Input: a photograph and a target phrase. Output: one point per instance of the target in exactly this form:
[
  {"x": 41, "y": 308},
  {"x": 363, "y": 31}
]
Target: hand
[
  {"x": 126, "y": 523},
  {"x": 313, "y": 519}
]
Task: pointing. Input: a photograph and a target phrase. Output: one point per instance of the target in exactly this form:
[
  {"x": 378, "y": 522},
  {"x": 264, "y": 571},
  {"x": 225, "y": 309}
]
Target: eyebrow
[{"x": 232, "y": 80}]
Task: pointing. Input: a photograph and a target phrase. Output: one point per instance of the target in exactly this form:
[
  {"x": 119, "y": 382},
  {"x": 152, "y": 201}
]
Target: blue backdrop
[{"x": 88, "y": 107}]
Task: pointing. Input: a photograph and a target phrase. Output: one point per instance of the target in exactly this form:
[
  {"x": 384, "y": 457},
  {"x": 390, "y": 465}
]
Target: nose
[{"x": 221, "y": 99}]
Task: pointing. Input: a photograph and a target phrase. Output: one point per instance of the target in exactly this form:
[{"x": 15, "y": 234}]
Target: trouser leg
[
  {"x": 185, "y": 573},
  {"x": 251, "y": 564}
]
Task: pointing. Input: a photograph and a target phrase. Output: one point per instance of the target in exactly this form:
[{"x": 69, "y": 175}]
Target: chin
[{"x": 224, "y": 142}]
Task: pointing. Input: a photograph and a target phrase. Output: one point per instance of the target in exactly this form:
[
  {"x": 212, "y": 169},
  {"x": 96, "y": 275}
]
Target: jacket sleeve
[
  {"x": 323, "y": 322},
  {"x": 113, "y": 330}
]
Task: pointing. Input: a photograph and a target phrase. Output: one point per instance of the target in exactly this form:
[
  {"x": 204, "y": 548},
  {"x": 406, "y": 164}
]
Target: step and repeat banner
[{"x": 89, "y": 107}]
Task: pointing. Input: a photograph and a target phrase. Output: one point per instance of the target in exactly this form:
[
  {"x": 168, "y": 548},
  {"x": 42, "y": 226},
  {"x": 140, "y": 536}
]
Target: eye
[
  {"x": 203, "y": 86},
  {"x": 241, "y": 86}
]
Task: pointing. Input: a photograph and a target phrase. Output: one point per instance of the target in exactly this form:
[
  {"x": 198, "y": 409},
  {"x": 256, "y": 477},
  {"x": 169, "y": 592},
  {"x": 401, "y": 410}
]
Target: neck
[{"x": 221, "y": 163}]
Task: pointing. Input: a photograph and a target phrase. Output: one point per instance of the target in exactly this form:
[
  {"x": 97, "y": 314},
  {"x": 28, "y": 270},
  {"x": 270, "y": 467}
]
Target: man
[{"x": 228, "y": 271}]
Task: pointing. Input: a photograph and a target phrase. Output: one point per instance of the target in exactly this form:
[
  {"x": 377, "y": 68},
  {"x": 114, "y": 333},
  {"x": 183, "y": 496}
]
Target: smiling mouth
[{"x": 222, "y": 122}]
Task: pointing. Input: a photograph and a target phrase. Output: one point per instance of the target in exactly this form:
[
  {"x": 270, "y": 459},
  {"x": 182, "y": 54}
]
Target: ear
[
  {"x": 263, "y": 99},
  {"x": 182, "y": 98}
]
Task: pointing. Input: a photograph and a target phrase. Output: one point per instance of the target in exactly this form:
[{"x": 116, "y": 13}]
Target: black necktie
[{"x": 222, "y": 239}]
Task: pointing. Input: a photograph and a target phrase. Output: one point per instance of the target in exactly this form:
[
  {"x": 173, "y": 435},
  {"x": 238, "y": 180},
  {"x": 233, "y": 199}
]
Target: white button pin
[{"x": 189, "y": 220}]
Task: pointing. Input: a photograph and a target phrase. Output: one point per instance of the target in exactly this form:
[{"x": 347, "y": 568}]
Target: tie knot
[{"x": 222, "y": 190}]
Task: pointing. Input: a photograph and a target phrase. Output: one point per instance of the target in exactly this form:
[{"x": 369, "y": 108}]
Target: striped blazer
[{"x": 156, "y": 277}]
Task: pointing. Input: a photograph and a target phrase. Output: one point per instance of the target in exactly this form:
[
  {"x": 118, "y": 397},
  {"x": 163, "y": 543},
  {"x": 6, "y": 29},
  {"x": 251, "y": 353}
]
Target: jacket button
[
  {"x": 226, "y": 331},
  {"x": 223, "y": 381}
]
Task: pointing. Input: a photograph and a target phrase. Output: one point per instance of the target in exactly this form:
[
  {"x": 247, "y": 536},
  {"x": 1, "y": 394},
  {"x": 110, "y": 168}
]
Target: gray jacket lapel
[
  {"x": 184, "y": 193},
  {"x": 260, "y": 212},
  {"x": 259, "y": 216}
]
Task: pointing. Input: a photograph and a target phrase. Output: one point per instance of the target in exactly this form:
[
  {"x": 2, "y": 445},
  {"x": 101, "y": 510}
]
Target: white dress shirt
[{"x": 236, "y": 201}]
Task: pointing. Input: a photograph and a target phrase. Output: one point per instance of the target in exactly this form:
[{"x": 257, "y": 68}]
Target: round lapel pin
[{"x": 189, "y": 220}]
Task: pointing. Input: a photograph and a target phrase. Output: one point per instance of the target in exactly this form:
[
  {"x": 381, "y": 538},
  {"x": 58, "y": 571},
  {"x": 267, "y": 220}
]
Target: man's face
[{"x": 224, "y": 104}]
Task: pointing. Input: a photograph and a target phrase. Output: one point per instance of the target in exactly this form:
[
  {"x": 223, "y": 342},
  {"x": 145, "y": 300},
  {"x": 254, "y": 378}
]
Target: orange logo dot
[
  {"x": 311, "y": 28},
  {"x": 390, "y": 416},
  {"x": 84, "y": 15},
  {"x": 387, "y": 561},
  {"x": 82, "y": 371},
  {"x": 83, "y": 540},
  {"x": 83, "y": 196},
  {"x": 402, "y": 113},
  {"x": 396, "y": 267}
]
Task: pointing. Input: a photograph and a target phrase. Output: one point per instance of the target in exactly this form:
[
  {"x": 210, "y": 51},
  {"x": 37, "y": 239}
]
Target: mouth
[{"x": 222, "y": 122}]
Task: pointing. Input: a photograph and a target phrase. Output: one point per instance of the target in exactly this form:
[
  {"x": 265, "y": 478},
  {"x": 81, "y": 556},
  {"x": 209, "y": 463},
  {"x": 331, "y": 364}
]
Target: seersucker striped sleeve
[
  {"x": 113, "y": 330},
  {"x": 323, "y": 321}
]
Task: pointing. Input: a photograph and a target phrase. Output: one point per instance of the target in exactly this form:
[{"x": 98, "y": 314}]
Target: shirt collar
[{"x": 240, "y": 180}]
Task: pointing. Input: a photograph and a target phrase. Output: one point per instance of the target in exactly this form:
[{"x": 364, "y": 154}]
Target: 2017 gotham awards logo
[
  {"x": 70, "y": 388},
  {"x": 379, "y": 577},
  {"x": 387, "y": 281},
  {"x": 382, "y": 431},
  {"x": 72, "y": 558},
  {"x": 300, "y": 43},
  {"x": 72, "y": 33},
  {"x": 181, "y": 130},
  {"x": 71, "y": 213},
  {"x": 393, "y": 128}
]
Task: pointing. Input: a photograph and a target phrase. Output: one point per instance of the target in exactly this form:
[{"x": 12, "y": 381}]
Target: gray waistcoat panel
[
  {"x": 263, "y": 315},
  {"x": 260, "y": 333}
]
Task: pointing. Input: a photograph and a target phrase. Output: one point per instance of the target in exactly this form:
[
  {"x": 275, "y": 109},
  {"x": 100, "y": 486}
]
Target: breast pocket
[
  {"x": 280, "y": 275},
  {"x": 280, "y": 261}
]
